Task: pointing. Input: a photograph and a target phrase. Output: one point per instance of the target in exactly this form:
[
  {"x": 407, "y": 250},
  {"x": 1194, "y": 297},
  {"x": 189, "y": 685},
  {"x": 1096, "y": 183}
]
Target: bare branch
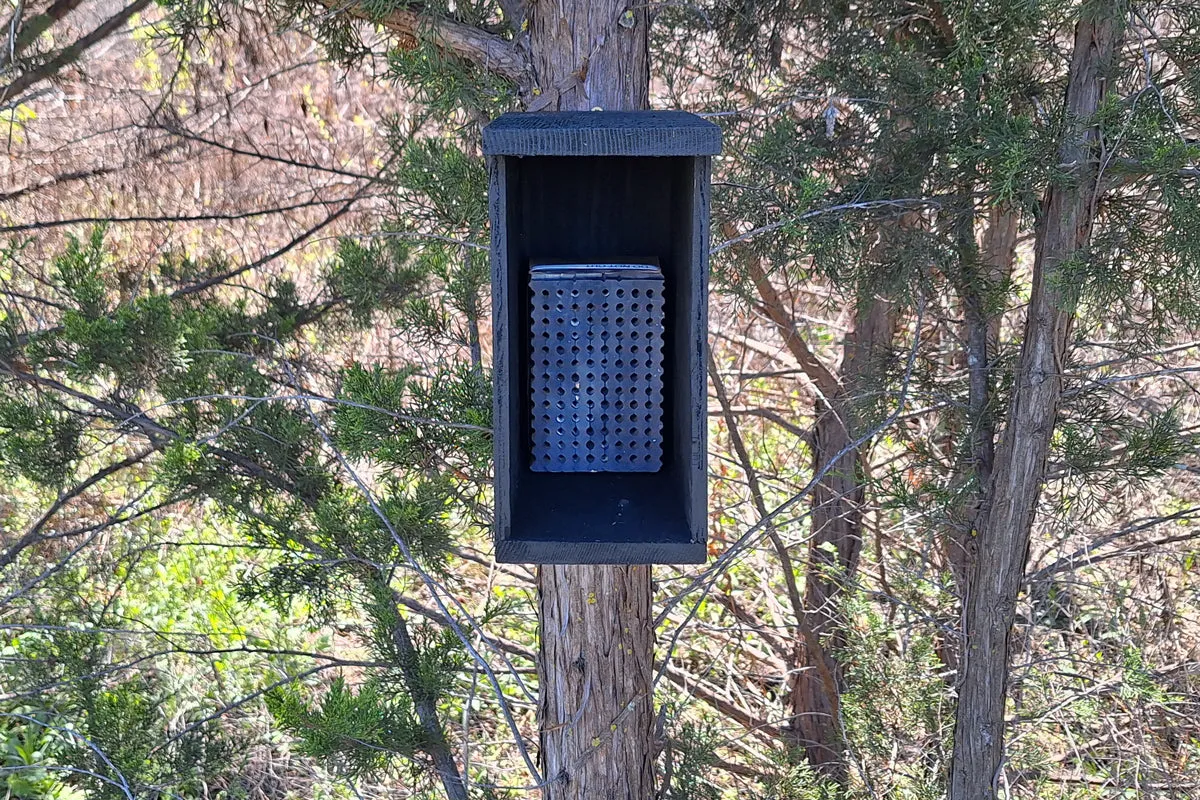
[{"x": 9, "y": 95}]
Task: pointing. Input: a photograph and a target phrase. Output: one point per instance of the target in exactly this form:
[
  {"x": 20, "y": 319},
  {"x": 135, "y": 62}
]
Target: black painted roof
[{"x": 602, "y": 133}]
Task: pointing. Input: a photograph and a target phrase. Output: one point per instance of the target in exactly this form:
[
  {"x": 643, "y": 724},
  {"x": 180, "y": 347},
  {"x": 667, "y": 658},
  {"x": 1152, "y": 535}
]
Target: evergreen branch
[
  {"x": 1091, "y": 383},
  {"x": 124, "y": 666},
  {"x": 249, "y": 698},
  {"x": 442, "y": 619},
  {"x": 29, "y": 298},
  {"x": 436, "y": 592},
  {"x": 1128, "y": 355},
  {"x": 1128, "y": 170},
  {"x": 123, "y": 785},
  {"x": 118, "y": 519},
  {"x": 902, "y": 203},
  {"x": 217, "y": 280},
  {"x": 314, "y": 398},
  {"x": 426, "y": 707},
  {"x": 293, "y": 243},
  {"x": 62, "y": 562},
  {"x": 158, "y": 435}
]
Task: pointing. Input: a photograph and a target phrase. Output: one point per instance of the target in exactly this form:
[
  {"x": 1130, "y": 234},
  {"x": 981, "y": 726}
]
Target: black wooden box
[{"x": 600, "y": 191}]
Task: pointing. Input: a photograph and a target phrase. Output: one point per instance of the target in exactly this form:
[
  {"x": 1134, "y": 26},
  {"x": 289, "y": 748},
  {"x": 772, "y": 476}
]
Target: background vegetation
[{"x": 245, "y": 406}]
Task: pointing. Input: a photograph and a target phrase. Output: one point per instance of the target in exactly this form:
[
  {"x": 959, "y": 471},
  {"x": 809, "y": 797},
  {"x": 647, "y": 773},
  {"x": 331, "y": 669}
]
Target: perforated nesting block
[{"x": 597, "y": 368}]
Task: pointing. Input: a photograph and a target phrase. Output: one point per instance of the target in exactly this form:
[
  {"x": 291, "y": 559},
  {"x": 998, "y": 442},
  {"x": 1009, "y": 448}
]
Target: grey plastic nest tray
[{"x": 597, "y": 370}]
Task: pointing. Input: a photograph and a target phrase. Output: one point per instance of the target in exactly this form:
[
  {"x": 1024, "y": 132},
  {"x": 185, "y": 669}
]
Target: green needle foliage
[
  {"x": 362, "y": 731},
  {"x": 352, "y": 483},
  {"x": 871, "y": 149}
]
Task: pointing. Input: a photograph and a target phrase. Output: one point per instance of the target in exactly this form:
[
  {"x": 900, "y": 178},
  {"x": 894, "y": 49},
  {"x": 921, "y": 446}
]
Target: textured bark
[
  {"x": 1004, "y": 529},
  {"x": 596, "y": 662},
  {"x": 984, "y": 270},
  {"x": 998, "y": 256},
  {"x": 836, "y": 504},
  {"x": 424, "y": 703},
  {"x": 589, "y": 55},
  {"x": 597, "y": 642},
  {"x": 836, "y": 542},
  {"x": 485, "y": 50},
  {"x": 981, "y": 333}
]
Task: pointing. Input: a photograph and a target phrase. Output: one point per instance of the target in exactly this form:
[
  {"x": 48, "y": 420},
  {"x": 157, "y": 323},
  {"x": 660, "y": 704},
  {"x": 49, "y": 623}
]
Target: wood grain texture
[
  {"x": 696, "y": 475},
  {"x": 526, "y": 551},
  {"x": 590, "y": 54},
  {"x": 503, "y": 351},
  {"x": 602, "y": 133},
  {"x": 596, "y": 708},
  {"x": 1068, "y": 211}
]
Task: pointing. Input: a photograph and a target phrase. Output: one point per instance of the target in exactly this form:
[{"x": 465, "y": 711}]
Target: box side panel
[
  {"x": 503, "y": 351},
  {"x": 697, "y": 491}
]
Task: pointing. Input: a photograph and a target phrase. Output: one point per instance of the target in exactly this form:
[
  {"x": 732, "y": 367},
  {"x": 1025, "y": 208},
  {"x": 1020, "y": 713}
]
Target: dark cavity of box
[
  {"x": 593, "y": 188},
  {"x": 596, "y": 367}
]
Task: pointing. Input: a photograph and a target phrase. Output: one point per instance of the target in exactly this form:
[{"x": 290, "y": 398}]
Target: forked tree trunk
[
  {"x": 596, "y": 711},
  {"x": 979, "y": 280},
  {"x": 1068, "y": 213}
]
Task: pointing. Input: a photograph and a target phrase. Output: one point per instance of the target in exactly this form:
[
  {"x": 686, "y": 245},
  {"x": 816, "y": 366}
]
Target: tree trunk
[
  {"x": 836, "y": 506},
  {"x": 836, "y": 542},
  {"x": 1068, "y": 213},
  {"x": 980, "y": 278},
  {"x": 597, "y": 643}
]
